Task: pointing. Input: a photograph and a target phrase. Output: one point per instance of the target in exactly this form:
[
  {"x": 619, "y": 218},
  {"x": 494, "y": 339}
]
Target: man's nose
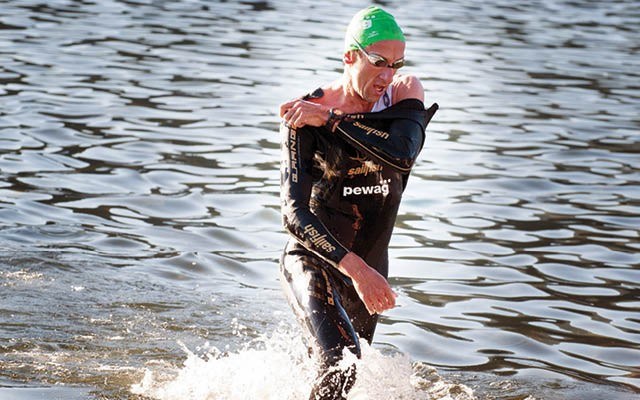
[{"x": 387, "y": 74}]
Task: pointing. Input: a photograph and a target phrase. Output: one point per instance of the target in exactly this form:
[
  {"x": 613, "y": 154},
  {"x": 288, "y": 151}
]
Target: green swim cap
[{"x": 371, "y": 25}]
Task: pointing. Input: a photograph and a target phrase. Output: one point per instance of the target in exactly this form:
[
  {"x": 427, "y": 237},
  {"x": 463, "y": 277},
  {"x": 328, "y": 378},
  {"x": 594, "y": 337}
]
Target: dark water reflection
[{"x": 139, "y": 193}]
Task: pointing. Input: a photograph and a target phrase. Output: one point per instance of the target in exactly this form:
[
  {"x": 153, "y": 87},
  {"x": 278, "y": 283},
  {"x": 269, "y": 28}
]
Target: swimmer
[{"x": 347, "y": 151}]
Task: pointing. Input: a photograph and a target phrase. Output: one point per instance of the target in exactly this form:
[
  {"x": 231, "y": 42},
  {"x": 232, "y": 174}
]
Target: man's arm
[
  {"x": 399, "y": 142},
  {"x": 397, "y": 146},
  {"x": 295, "y": 192}
]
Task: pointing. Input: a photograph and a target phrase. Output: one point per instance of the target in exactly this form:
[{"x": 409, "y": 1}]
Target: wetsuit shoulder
[{"x": 316, "y": 94}]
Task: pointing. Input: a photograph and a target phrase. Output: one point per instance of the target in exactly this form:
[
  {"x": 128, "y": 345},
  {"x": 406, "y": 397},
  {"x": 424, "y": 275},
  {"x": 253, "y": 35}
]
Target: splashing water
[{"x": 277, "y": 367}]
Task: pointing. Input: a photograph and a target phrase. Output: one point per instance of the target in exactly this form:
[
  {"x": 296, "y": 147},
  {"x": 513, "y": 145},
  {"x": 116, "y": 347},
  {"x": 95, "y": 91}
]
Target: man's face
[{"x": 368, "y": 80}]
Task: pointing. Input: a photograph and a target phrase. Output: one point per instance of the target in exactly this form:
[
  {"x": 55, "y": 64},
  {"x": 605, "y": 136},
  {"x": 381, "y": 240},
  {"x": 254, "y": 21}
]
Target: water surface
[{"x": 139, "y": 199}]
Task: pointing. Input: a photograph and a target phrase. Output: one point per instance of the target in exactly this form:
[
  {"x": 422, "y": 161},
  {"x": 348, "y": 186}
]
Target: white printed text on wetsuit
[
  {"x": 293, "y": 154},
  {"x": 383, "y": 188}
]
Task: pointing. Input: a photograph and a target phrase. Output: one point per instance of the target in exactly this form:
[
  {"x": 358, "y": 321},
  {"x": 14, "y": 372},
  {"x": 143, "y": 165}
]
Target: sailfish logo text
[
  {"x": 317, "y": 239},
  {"x": 371, "y": 130}
]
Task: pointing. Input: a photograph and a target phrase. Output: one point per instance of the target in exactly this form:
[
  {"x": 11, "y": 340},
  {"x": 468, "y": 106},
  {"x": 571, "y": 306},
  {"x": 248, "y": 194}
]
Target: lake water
[{"x": 139, "y": 200}]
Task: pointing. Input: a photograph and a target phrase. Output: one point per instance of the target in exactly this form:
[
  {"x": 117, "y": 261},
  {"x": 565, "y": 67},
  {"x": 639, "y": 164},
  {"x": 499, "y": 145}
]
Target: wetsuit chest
[{"x": 355, "y": 197}]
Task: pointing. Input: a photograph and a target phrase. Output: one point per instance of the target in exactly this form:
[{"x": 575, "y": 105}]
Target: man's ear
[{"x": 349, "y": 57}]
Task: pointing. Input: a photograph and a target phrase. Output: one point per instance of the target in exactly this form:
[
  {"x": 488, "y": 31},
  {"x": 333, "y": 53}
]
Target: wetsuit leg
[
  {"x": 313, "y": 296},
  {"x": 363, "y": 322}
]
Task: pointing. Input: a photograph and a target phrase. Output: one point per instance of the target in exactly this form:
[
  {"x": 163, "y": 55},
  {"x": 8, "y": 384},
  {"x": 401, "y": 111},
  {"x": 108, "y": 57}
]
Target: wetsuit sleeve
[
  {"x": 296, "y": 179},
  {"x": 396, "y": 143}
]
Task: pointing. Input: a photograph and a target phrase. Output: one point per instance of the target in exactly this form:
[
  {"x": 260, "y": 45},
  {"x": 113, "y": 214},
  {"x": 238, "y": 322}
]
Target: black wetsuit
[{"x": 340, "y": 192}]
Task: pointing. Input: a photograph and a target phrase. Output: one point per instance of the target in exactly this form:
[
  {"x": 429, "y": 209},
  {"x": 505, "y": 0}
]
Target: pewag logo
[{"x": 382, "y": 188}]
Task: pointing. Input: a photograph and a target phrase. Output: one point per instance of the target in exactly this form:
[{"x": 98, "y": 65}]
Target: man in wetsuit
[{"x": 348, "y": 149}]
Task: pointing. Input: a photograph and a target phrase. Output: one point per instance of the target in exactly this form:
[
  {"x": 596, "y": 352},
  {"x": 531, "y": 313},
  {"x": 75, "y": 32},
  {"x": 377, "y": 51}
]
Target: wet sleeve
[
  {"x": 296, "y": 183},
  {"x": 396, "y": 143}
]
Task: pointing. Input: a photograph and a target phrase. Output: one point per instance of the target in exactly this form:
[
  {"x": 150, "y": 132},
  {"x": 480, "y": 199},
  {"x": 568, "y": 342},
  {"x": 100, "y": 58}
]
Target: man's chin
[{"x": 372, "y": 98}]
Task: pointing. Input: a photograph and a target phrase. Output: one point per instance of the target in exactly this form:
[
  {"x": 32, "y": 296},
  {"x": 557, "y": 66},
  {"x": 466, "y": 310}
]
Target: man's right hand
[
  {"x": 298, "y": 113},
  {"x": 373, "y": 288}
]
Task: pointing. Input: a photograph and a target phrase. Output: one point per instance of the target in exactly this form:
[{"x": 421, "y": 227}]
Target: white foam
[
  {"x": 277, "y": 367},
  {"x": 23, "y": 275}
]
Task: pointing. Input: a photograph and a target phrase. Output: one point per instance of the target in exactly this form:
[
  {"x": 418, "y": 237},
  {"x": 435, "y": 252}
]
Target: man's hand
[
  {"x": 373, "y": 288},
  {"x": 298, "y": 113}
]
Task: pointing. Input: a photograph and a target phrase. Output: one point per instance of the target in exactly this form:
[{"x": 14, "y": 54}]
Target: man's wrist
[
  {"x": 335, "y": 116},
  {"x": 353, "y": 266}
]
